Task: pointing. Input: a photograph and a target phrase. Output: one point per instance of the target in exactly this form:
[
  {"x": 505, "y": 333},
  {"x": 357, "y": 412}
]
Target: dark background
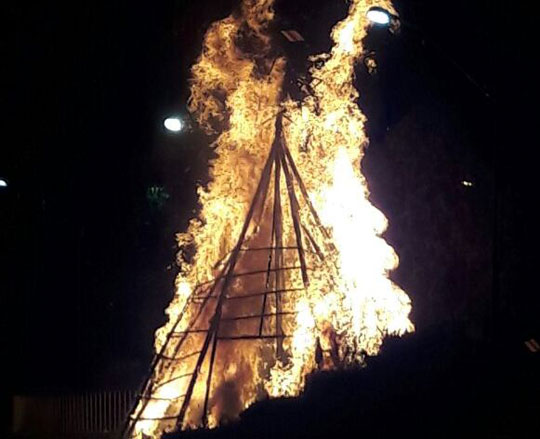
[{"x": 88, "y": 250}]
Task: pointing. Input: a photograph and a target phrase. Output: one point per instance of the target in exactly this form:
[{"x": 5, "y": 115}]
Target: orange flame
[{"x": 350, "y": 304}]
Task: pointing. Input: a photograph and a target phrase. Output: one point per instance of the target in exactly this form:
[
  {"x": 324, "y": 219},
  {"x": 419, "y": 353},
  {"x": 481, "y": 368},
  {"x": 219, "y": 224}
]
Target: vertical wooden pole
[
  {"x": 270, "y": 252},
  {"x": 296, "y": 221},
  {"x": 279, "y": 283},
  {"x": 209, "y": 379}
]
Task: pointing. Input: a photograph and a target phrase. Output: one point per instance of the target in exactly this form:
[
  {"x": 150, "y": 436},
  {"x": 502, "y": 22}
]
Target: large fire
[{"x": 348, "y": 304}]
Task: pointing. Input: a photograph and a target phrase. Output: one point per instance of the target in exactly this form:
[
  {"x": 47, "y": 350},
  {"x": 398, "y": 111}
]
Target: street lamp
[
  {"x": 379, "y": 15},
  {"x": 173, "y": 124},
  {"x": 3, "y": 183}
]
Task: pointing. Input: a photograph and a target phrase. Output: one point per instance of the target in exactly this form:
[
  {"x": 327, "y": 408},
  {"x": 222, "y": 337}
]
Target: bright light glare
[
  {"x": 3, "y": 183},
  {"x": 467, "y": 183},
  {"x": 378, "y": 16},
  {"x": 173, "y": 124}
]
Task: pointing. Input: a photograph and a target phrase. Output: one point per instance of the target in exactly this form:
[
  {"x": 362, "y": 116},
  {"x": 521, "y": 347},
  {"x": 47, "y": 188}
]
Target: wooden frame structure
[{"x": 215, "y": 293}]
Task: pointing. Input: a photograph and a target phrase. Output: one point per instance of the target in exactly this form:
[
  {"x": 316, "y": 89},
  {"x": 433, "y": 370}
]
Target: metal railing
[{"x": 94, "y": 414}]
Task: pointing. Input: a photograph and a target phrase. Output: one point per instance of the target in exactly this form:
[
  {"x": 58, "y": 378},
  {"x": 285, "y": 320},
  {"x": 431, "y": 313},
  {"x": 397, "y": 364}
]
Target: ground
[{"x": 433, "y": 385}]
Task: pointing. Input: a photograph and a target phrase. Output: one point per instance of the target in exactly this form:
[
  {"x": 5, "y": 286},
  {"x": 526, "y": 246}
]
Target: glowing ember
[{"x": 348, "y": 304}]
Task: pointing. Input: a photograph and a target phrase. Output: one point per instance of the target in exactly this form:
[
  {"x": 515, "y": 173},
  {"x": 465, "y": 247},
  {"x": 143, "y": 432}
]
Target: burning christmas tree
[{"x": 288, "y": 271}]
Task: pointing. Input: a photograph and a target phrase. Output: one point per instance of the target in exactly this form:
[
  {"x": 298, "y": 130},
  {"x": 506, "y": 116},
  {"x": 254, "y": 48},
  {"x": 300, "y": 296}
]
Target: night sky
[{"x": 88, "y": 250}]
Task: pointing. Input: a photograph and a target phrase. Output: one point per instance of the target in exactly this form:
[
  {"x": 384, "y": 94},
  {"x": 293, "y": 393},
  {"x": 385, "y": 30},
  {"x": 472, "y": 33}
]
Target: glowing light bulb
[
  {"x": 173, "y": 124},
  {"x": 378, "y": 16}
]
